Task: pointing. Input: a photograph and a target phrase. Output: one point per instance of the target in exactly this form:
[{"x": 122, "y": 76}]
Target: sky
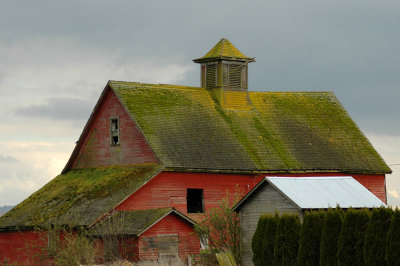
[{"x": 57, "y": 56}]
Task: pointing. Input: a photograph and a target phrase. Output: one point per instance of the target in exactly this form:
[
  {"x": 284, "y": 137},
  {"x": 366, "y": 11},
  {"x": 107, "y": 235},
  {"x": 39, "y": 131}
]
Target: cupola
[{"x": 224, "y": 66}]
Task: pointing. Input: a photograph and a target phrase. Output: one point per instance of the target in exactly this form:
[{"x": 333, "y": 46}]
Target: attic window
[
  {"x": 195, "y": 200},
  {"x": 114, "y": 131}
]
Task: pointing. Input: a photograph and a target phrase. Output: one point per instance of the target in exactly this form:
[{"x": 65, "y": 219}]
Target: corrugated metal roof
[{"x": 325, "y": 192}]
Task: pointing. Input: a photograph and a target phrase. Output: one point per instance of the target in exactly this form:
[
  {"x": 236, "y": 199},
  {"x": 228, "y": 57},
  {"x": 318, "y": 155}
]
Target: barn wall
[
  {"x": 265, "y": 200},
  {"x": 188, "y": 243},
  {"x": 20, "y": 247},
  {"x": 170, "y": 189},
  {"x": 97, "y": 149}
]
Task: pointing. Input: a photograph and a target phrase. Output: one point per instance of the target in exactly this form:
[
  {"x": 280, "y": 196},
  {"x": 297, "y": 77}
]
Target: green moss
[
  {"x": 79, "y": 196},
  {"x": 290, "y": 131}
]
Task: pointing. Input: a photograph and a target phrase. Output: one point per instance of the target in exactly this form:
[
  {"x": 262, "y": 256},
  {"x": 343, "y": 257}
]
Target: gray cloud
[
  {"x": 58, "y": 108},
  {"x": 8, "y": 159}
]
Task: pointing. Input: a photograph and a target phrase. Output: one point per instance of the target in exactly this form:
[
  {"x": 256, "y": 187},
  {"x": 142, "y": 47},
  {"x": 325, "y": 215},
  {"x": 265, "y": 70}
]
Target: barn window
[
  {"x": 195, "y": 200},
  {"x": 114, "y": 131}
]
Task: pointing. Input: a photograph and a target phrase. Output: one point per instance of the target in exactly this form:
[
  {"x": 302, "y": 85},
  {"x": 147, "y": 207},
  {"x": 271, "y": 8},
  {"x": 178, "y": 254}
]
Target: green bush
[
  {"x": 257, "y": 240},
  {"x": 375, "y": 236},
  {"x": 351, "y": 238},
  {"x": 393, "y": 240},
  {"x": 267, "y": 256},
  {"x": 291, "y": 240},
  {"x": 310, "y": 238},
  {"x": 359, "y": 231},
  {"x": 330, "y": 237},
  {"x": 279, "y": 240}
]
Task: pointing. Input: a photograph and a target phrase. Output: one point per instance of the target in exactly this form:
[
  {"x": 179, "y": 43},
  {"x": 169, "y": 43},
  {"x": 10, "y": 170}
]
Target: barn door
[{"x": 167, "y": 246}]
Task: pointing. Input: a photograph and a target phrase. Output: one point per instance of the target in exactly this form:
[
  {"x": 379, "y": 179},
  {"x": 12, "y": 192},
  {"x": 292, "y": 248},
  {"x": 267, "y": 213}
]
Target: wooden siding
[
  {"x": 265, "y": 200},
  {"x": 20, "y": 247},
  {"x": 97, "y": 151},
  {"x": 169, "y": 189},
  {"x": 188, "y": 243}
]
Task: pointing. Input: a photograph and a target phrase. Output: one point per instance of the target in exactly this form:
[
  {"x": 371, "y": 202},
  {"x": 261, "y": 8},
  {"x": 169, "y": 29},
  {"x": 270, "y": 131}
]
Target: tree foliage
[
  {"x": 257, "y": 240},
  {"x": 393, "y": 240},
  {"x": 310, "y": 238},
  {"x": 375, "y": 236},
  {"x": 221, "y": 227},
  {"x": 330, "y": 237},
  {"x": 291, "y": 240},
  {"x": 269, "y": 240}
]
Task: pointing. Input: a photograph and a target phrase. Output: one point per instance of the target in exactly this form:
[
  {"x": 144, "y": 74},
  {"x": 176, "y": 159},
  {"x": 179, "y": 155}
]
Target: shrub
[
  {"x": 291, "y": 240},
  {"x": 279, "y": 239},
  {"x": 257, "y": 240},
  {"x": 330, "y": 237},
  {"x": 310, "y": 238},
  {"x": 351, "y": 238},
  {"x": 221, "y": 227},
  {"x": 267, "y": 255},
  {"x": 393, "y": 240},
  {"x": 359, "y": 231},
  {"x": 375, "y": 236}
]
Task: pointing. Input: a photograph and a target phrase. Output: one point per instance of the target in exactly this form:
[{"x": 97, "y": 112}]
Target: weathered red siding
[
  {"x": 169, "y": 189},
  {"x": 20, "y": 247},
  {"x": 171, "y": 224},
  {"x": 97, "y": 149}
]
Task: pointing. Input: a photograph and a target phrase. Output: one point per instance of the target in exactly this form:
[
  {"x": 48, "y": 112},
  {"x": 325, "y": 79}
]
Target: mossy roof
[
  {"x": 189, "y": 130},
  {"x": 78, "y": 197},
  {"x": 133, "y": 222},
  {"x": 224, "y": 49}
]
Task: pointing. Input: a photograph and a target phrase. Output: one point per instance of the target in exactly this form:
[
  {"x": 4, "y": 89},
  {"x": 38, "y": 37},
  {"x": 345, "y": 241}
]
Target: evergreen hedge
[
  {"x": 393, "y": 240},
  {"x": 359, "y": 231},
  {"x": 375, "y": 236},
  {"x": 279, "y": 240},
  {"x": 330, "y": 237},
  {"x": 310, "y": 238},
  {"x": 269, "y": 240},
  {"x": 257, "y": 240},
  {"x": 290, "y": 245}
]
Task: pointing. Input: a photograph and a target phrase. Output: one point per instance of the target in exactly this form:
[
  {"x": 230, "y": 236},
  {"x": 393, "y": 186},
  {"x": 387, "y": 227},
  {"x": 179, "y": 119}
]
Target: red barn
[{"x": 162, "y": 155}]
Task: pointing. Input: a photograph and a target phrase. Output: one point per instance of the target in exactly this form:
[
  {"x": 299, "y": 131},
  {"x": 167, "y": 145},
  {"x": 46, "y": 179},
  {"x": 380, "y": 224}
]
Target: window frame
[
  {"x": 115, "y": 132},
  {"x": 189, "y": 209}
]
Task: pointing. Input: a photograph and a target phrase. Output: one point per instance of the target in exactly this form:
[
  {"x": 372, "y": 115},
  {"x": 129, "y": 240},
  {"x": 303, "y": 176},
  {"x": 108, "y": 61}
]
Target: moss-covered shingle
[
  {"x": 281, "y": 131},
  {"x": 78, "y": 197}
]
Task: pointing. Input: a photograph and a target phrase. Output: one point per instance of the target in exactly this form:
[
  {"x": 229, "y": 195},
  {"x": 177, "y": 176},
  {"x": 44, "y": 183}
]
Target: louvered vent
[
  {"x": 234, "y": 76},
  {"x": 211, "y": 76}
]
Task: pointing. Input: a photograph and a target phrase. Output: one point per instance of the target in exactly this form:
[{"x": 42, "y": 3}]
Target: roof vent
[{"x": 224, "y": 66}]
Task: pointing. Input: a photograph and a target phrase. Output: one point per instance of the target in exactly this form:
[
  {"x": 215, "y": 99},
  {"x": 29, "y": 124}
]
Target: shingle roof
[
  {"x": 280, "y": 132},
  {"x": 224, "y": 49},
  {"x": 133, "y": 222},
  {"x": 78, "y": 197}
]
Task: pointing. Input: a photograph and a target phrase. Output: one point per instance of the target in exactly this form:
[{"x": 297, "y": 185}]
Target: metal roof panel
[{"x": 325, "y": 192}]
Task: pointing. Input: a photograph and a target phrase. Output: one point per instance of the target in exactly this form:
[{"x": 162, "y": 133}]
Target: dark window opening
[
  {"x": 114, "y": 131},
  {"x": 195, "y": 200}
]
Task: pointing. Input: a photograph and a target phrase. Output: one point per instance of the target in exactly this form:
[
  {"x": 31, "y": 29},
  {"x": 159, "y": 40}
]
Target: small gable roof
[
  {"x": 320, "y": 192},
  {"x": 134, "y": 222},
  {"x": 189, "y": 130},
  {"x": 79, "y": 197}
]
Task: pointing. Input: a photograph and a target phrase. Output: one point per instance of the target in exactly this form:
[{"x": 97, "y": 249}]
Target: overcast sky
[{"x": 57, "y": 56}]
